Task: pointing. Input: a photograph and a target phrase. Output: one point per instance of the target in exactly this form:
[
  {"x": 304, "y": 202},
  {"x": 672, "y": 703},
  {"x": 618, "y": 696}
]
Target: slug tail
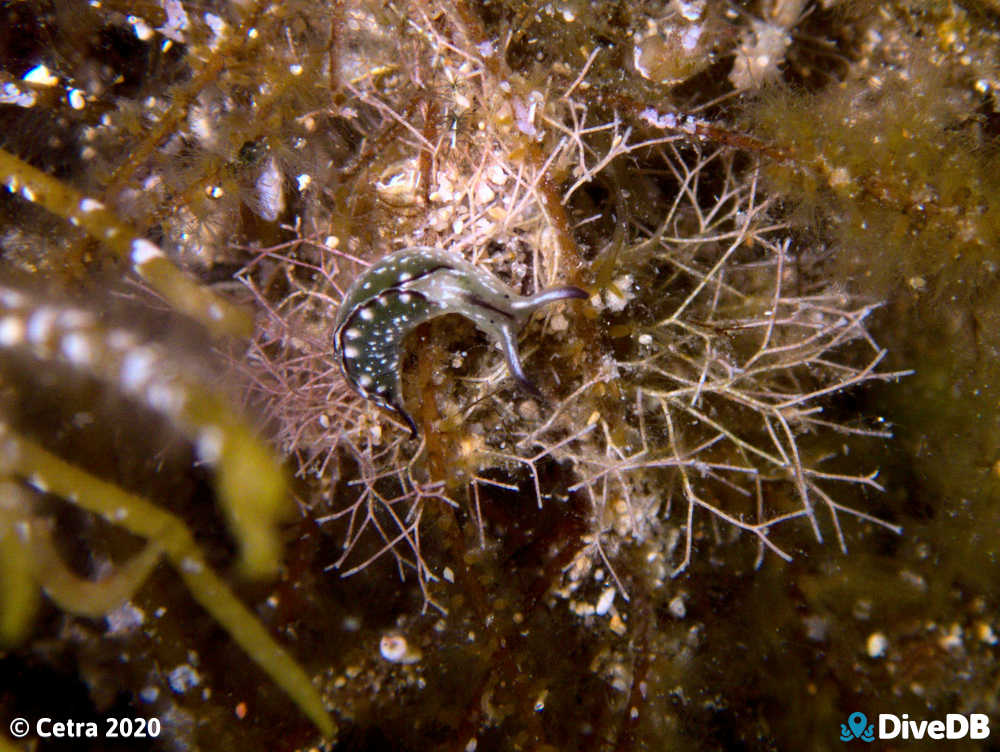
[
  {"x": 508, "y": 341},
  {"x": 398, "y": 409}
]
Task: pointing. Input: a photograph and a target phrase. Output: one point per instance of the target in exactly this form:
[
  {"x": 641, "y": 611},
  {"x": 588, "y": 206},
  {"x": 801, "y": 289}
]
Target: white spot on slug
[
  {"x": 137, "y": 367},
  {"x": 11, "y": 331},
  {"x": 40, "y": 325},
  {"x": 76, "y": 347}
]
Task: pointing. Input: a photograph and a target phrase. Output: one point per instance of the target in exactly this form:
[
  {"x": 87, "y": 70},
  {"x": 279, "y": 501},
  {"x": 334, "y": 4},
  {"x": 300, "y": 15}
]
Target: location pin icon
[{"x": 857, "y": 722}]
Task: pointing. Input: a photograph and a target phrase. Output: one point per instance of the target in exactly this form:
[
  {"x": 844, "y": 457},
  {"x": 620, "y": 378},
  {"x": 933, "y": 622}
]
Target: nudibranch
[{"x": 410, "y": 286}]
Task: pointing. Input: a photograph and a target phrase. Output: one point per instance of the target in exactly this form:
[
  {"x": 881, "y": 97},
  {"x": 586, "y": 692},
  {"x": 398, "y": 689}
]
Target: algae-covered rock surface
[{"x": 748, "y": 498}]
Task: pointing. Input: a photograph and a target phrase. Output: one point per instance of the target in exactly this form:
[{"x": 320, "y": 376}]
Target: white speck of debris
[
  {"x": 525, "y": 117},
  {"x": 645, "y": 339},
  {"x": 817, "y": 627},
  {"x": 76, "y": 99},
  {"x": 677, "y": 608},
  {"x": 177, "y": 21},
  {"x": 876, "y": 645},
  {"x": 142, "y": 29},
  {"x": 350, "y": 624},
  {"x": 11, "y": 94},
  {"x": 395, "y": 649},
  {"x": 183, "y": 678},
  {"x": 471, "y": 745},
  {"x": 617, "y": 625},
  {"x": 448, "y": 574},
  {"x": 620, "y": 293},
  {"x": 125, "y": 618},
  {"x": 840, "y": 177},
  {"x": 985, "y": 633},
  {"x": 209, "y": 445},
  {"x": 862, "y": 609},
  {"x": 540, "y": 701},
  {"x": 149, "y": 694},
  {"x": 913, "y": 579},
  {"x": 952, "y": 640},
  {"x": 759, "y": 55},
  {"x": 40, "y": 75},
  {"x": 690, "y": 37},
  {"x": 303, "y": 181},
  {"x": 496, "y": 175},
  {"x": 270, "y": 192},
  {"x": 143, "y": 251},
  {"x": 484, "y": 194},
  {"x": 218, "y": 27},
  {"x": 604, "y": 602},
  {"x": 528, "y": 410},
  {"x": 654, "y": 118},
  {"x": 690, "y": 10}
]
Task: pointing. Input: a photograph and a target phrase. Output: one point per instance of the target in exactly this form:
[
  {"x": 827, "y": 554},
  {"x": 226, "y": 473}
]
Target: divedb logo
[
  {"x": 891, "y": 726},
  {"x": 954, "y": 726}
]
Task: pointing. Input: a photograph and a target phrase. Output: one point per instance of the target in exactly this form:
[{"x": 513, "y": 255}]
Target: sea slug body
[{"x": 410, "y": 286}]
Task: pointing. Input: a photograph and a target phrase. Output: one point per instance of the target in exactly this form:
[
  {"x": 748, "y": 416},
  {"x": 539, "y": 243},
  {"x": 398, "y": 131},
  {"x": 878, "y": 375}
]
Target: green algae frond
[
  {"x": 25, "y": 459},
  {"x": 148, "y": 261}
]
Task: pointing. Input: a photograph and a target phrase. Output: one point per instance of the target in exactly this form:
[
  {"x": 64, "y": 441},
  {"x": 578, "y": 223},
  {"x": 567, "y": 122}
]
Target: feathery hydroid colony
[{"x": 694, "y": 384}]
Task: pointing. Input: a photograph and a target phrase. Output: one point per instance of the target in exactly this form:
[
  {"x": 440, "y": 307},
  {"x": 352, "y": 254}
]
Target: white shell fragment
[{"x": 395, "y": 649}]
